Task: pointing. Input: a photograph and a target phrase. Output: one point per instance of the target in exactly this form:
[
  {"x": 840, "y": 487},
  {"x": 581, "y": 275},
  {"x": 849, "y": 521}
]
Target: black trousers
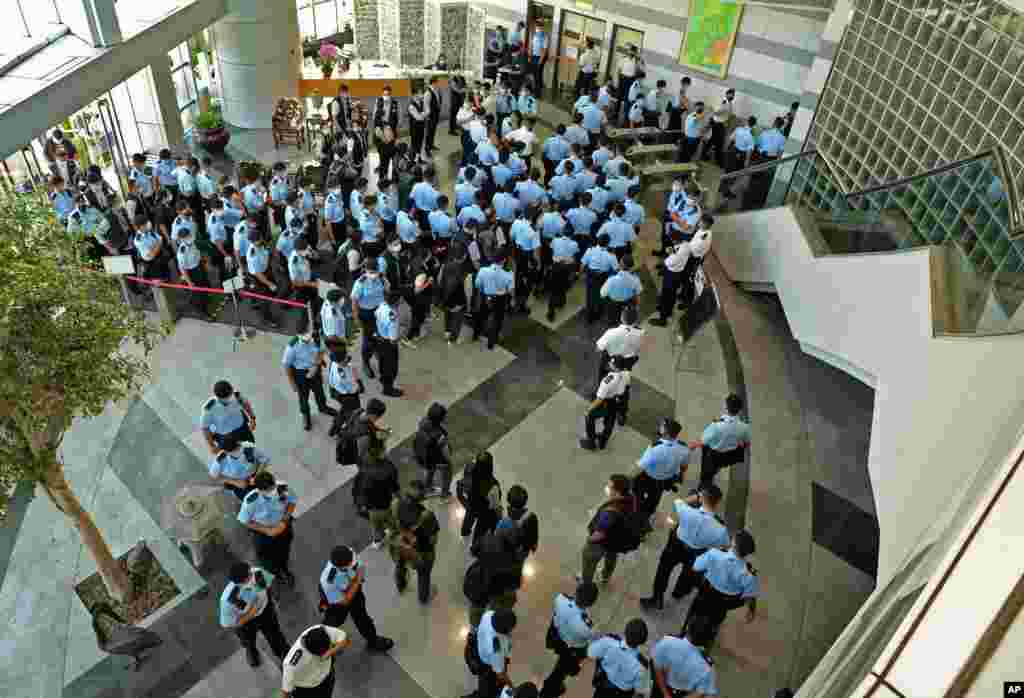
[
  {"x": 387, "y": 360},
  {"x": 336, "y": 615},
  {"x": 347, "y": 404},
  {"x": 324, "y": 690},
  {"x": 266, "y": 308},
  {"x": 312, "y": 301},
  {"x": 489, "y": 318},
  {"x": 267, "y": 624},
  {"x": 648, "y": 491},
  {"x": 368, "y": 322},
  {"x": 669, "y": 290},
  {"x": 568, "y": 664},
  {"x": 594, "y": 281},
  {"x": 624, "y": 84},
  {"x": 607, "y": 411},
  {"x": 559, "y": 280},
  {"x": 457, "y": 100},
  {"x": 200, "y": 300},
  {"x": 417, "y": 130},
  {"x": 713, "y": 605},
  {"x": 526, "y": 276},
  {"x": 711, "y": 461},
  {"x": 273, "y": 551},
  {"x": 431, "y": 134},
  {"x": 487, "y": 683},
  {"x": 675, "y": 552},
  {"x": 419, "y": 306},
  {"x": 716, "y": 143},
  {"x": 479, "y": 522},
  {"x": 423, "y": 571},
  {"x": 306, "y": 385},
  {"x": 688, "y": 148}
]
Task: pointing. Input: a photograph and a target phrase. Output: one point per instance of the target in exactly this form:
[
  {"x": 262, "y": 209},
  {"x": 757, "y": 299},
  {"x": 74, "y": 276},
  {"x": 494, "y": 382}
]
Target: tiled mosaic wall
[
  {"x": 419, "y": 31},
  {"x": 463, "y": 37},
  {"x": 390, "y": 40},
  {"x": 367, "y": 27}
]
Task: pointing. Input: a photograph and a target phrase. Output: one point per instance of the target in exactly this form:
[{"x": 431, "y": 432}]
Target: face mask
[
  {"x": 677, "y": 188},
  {"x": 185, "y": 241},
  {"x": 395, "y": 249}
]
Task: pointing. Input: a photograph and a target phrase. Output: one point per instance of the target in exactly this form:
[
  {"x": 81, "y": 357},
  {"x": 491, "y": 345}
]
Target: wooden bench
[
  {"x": 639, "y": 151},
  {"x": 670, "y": 168},
  {"x": 618, "y": 134}
]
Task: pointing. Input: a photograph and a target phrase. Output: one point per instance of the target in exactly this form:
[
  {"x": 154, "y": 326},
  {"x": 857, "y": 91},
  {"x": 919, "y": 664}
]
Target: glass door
[
  {"x": 572, "y": 42},
  {"x": 184, "y": 80},
  {"x": 537, "y": 12},
  {"x": 622, "y": 38}
]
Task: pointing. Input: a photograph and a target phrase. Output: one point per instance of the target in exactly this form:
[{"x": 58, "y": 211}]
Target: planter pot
[
  {"x": 327, "y": 73},
  {"x": 213, "y": 139}
]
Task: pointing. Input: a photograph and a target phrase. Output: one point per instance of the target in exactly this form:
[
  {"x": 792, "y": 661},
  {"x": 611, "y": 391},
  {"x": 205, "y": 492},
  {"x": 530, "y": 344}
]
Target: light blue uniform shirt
[
  {"x": 664, "y": 459},
  {"x": 367, "y": 292},
  {"x": 577, "y": 165},
  {"x": 551, "y": 224},
  {"x": 146, "y": 242},
  {"x": 572, "y": 622},
  {"x": 469, "y": 213},
  {"x": 334, "y": 209},
  {"x": 180, "y": 223},
  {"x": 604, "y": 97},
  {"x": 651, "y": 101},
  {"x": 600, "y": 260},
  {"x": 635, "y": 214},
  {"x": 686, "y": 668},
  {"x": 186, "y": 182},
  {"x": 424, "y": 196},
  {"x": 205, "y": 185},
  {"x": 771, "y": 142},
  {"x": 335, "y": 590},
  {"x": 556, "y": 148},
  {"x": 636, "y": 90},
  {"x": 63, "y": 204},
  {"x": 298, "y": 268},
  {"x": 501, "y": 174},
  {"x": 332, "y": 319},
  {"x": 694, "y": 126},
  {"x": 601, "y": 157},
  {"x": 369, "y": 226},
  {"x": 216, "y": 228},
  {"x": 251, "y": 595},
  {"x": 387, "y": 322},
  {"x": 408, "y": 229},
  {"x": 494, "y": 281},
  {"x": 581, "y": 102},
  {"x": 506, "y": 206},
  {"x": 387, "y": 206},
  {"x": 188, "y": 256},
  {"x": 582, "y": 220},
  {"x": 493, "y": 647},
  {"x": 524, "y": 236},
  {"x": 621, "y": 664},
  {"x": 143, "y": 182},
  {"x": 504, "y": 103},
  {"x": 465, "y": 195},
  {"x": 563, "y": 188},
  {"x": 440, "y": 224},
  {"x": 165, "y": 172},
  {"x": 592, "y": 114},
  {"x": 636, "y": 111},
  {"x": 726, "y": 434},
  {"x": 278, "y": 189},
  {"x": 598, "y": 199},
  {"x": 527, "y": 104},
  {"x": 232, "y": 215},
  {"x": 618, "y": 187},
  {"x": 539, "y": 43},
  {"x": 254, "y": 197},
  {"x": 585, "y": 179},
  {"x": 222, "y": 417},
  {"x": 530, "y": 192},
  {"x": 237, "y": 465},
  {"x": 342, "y": 378},
  {"x": 257, "y": 259},
  {"x": 487, "y": 154},
  {"x": 622, "y": 287},
  {"x": 744, "y": 139},
  {"x": 355, "y": 203},
  {"x": 301, "y": 355},
  {"x": 264, "y": 510},
  {"x": 516, "y": 164},
  {"x": 620, "y": 232},
  {"x": 286, "y": 241},
  {"x": 728, "y": 574},
  {"x": 241, "y": 239},
  {"x": 564, "y": 249},
  {"x": 577, "y": 134},
  {"x": 699, "y": 529}
]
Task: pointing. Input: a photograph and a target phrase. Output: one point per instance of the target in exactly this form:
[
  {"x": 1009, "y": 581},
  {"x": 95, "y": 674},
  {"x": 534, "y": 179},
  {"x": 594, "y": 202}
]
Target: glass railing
[{"x": 969, "y": 207}]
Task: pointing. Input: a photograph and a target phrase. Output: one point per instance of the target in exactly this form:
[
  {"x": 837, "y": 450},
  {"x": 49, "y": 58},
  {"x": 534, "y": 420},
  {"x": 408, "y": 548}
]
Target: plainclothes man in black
[
  {"x": 415, "y": 544},
  {"x": 433, "y": 451}
]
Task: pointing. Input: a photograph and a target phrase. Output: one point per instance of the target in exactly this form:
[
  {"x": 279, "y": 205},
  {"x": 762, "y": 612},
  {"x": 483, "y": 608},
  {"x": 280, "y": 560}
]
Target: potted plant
[
  {"x": 327, "y": 58},
  {"x": 318, "y": 99},
  {"x": 210, "y": 131}
]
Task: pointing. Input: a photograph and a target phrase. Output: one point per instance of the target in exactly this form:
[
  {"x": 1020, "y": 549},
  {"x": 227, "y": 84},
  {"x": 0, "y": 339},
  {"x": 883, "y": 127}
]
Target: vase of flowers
[
  {"x": 327, "y": 58},
  {"x": 211, "y": 132}
]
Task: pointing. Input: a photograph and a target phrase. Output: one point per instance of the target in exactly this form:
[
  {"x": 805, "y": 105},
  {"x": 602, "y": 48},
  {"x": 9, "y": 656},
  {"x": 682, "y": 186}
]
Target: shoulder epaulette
[
  {"x": 251, "y": 497},
  {"x": 210, "y": 403},
  {"x": 707, "y": 658},
  {"x": 222, "y": 455},
  {"x": 751, "y": 569},
  {"x": 719, "y": 519},
  {"x": 293, "y": 341}
]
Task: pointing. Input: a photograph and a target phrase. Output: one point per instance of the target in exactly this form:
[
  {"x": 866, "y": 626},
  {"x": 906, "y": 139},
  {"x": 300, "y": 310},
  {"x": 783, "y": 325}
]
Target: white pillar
[
  {"x": 258, "y": 58},
  {"x": 167, "y": 102}
]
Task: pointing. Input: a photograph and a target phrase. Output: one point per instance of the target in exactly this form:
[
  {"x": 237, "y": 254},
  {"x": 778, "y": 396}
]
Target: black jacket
[
  {"x": 386, "y": 117},
  {"x": 502, "y": 558},
  {"x": 379, "y": 484},
  {"x": 431, "y": 443}
]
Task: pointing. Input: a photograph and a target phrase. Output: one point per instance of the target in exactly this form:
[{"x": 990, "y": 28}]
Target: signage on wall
[{"x": 586, "y": 5}]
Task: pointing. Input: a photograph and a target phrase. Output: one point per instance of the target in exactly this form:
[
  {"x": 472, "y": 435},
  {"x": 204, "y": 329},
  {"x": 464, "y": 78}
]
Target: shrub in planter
[{"x": 211, "y": 132}]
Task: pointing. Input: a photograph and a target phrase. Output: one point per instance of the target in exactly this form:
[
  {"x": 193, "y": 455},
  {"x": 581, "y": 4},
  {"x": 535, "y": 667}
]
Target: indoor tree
[{"x": 63, "y": 335}]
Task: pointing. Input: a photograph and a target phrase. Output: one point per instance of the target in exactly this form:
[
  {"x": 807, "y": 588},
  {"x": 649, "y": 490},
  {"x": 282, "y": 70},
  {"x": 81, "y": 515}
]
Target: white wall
[{"x": 939, "y": 402}]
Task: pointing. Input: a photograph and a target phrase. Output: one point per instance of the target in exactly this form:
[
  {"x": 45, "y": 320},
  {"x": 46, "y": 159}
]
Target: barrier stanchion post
[
  {"x": 233, "y": 286},
  {"x": 120, "y": 266}
]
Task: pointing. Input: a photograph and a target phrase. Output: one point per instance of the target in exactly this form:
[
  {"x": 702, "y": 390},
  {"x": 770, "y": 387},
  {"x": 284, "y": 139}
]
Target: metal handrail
[{"x": 768, "y": 165}]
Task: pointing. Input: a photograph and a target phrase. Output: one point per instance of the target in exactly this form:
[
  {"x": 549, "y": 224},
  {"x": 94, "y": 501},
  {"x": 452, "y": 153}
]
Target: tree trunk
[{"x": 113, "y": 573}]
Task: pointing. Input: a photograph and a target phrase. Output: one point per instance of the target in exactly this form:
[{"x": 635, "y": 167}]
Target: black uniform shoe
[
  {"x": 393, "y": 392},
  {"x": 658, "y": 321},
  {"x": 652, "y": 604},
  {"x": 382, "y": 644},
  {"x": 253, "y": 656},
  {"x": 329, "y": 410},
  {"x": 588, "y": 444},
  {"x": 307, "y": 423},
  {"x": 602, "y": 444}
]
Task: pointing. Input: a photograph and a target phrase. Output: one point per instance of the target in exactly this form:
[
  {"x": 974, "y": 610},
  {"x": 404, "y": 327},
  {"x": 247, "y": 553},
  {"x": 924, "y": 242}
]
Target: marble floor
[{"x": 524, "y": 401}]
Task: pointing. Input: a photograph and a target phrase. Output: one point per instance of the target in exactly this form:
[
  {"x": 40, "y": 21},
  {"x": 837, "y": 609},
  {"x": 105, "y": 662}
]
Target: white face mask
[
  {"x": 677, "y": 188},
  {"x": 395, "y": 249}
]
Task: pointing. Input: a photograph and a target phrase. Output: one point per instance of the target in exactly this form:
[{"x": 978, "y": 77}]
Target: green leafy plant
[
  {"x": 211, "y": 118},
  {"x": 63, "y": 335}
]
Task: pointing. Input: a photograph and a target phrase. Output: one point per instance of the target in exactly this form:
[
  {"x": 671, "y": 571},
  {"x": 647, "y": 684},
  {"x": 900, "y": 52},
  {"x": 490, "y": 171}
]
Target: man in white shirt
[
  {"x": 525, "y": 135},
  {"x": 612, "y": 397},
  {"x": 589, "y": 61},
  {"x": 627, "y": 71},
  {"x": 681, "y": 270},
  {"x": 721, "y": 121},
  {"x": 623, "y": 341},
  {"x": 308, "y": 668}
]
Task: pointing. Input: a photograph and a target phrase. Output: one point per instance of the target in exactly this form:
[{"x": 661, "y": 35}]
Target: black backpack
[
  {"x": 627, "y": 531},
  {"x": 347, "y": 451},
  {"x": 475, "y": 584}
]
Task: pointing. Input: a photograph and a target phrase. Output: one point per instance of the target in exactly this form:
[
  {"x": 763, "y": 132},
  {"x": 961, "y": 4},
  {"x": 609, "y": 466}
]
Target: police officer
[
  {"x": 303, "y": 359},
  {"x": 236, "y": 465},
  {"x": 300, "y": 274},
  {"x": 308, "y": 669},
  {"x": 193, "y": 270},
  {"x": 344, "y": 381},
  {"x": 611, "y": 398},
  {"x": 386, "y": 317},
  {"x": 494, "y": 647},
  {"x": 217, "y": 231},
  {"x": 682, "y": 668},
  {"x": 672, "y": 280},
  {"x": 226, "y": 413},
  {"x": 742, "y": 139},
  {"x": 598, "y": 264},
  {"x": 662, "y": 465},
  {"x": 495, "y": 284},
  {"x": 622, "y": 671},
  {"x": 563, "y": 265},
  {"x": 367, "y": 295},
  {"x": 283, "y": 249},
  {"x": 246, "y": 608},
  {"x": 699, "y": 529},
  {"x": 730, "y": 581},
  {"x": 724, "y": 441},
  {"x": 257, "y": 263},
  {"x": 527, "y": 256},
  {"x": 267, "y": 512},
  {"x": 416, "y": 542},
  {"x": 527, "y": 689},
  {"x": 433, "y": 451},
  {"x": 341, "y": 589},
  {"x": 623, "y": 341},
  {"x": 183, "y": 221},
  {"x": 569, "y": 635},
  {"x": 334, "y": 210},
  {"x": 621, "y": 290}
]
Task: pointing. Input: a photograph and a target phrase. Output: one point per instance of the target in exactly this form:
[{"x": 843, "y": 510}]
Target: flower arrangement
[{"x": 327, "y": 58}]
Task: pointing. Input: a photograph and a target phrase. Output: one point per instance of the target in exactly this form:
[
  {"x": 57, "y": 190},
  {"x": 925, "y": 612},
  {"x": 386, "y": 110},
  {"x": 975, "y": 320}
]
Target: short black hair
[
  {"x": 672, "y": 428},
  {"x": 239, "y": 572},
  {"x": 221, "y": 389},
  {"x": 619, "y": 483},
  {"x": 586, "y": 594},
  {"x": 699, "y": 630},
  {"x": 504, "y": 620},
  {"x": 517, "y": 497},
  {"x": 636, "y": 632},
  {"x": 316, "y": 640},
  {"x": 342, "y": 556},
  {"x": 744, "y": 542},
  {"x": 264, "y": 480},
  {"x": 733, "y": 404},
  {"x": 140, "y": 219},
  {"x": 229, "y": 442},
  {"x": 527, "y": 689},
  {"x": 711, "y": 492},
  {"x": 603, "y": 239},
  {"x": 470, "y": 173},
  {"x": 442, "y": 201},
  {"x": 376, "y": 407}
]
